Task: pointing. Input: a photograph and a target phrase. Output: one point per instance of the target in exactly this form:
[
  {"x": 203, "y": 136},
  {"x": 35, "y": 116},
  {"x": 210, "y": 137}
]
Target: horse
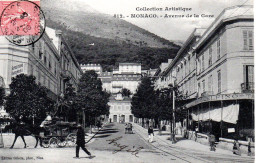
[{"x": 25, "y": 130}]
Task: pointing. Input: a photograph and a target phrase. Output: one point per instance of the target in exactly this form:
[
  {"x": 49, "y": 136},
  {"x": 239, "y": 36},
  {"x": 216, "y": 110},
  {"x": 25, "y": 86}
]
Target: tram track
[{"x": 180, "y": 153}]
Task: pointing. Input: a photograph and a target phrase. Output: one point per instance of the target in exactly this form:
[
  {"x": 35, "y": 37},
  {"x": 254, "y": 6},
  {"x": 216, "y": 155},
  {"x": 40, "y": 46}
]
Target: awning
[
  {"x": 229, "y": 114},
  {"x": 221, "y": 97}
]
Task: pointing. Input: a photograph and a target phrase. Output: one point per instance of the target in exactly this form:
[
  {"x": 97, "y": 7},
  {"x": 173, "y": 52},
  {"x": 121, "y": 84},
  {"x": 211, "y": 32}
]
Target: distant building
[
  {"x": 128, "y": 76},
  {"x": 95, "y": 67},
  {"x": 120, "y": 109},
  {"x": 161, "y": 81}
]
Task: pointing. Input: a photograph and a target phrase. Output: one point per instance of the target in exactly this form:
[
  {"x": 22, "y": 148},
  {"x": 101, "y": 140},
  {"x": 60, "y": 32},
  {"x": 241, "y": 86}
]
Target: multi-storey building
[
  {"x": 120, "y": 109},
  {"x": 40, "y": 59},
  {"x": 162, "y": 80},
  {"x": 50, "y": 60},
  {"x": 96, "y": 67},
  {"x": 70, "y": 70},
  {"x": 225, "y": 74},
  {"x": 128, "y": 76},
  {"x": 214, "y": 71}
]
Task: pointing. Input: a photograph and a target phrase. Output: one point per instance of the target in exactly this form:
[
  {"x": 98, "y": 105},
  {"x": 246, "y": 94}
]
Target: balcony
[{"x": 247, "y": 87}]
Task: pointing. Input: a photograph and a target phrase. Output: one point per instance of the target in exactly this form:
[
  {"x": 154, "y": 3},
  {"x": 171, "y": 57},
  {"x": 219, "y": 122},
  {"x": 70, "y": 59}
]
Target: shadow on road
[{"x": 102, "y": 136}]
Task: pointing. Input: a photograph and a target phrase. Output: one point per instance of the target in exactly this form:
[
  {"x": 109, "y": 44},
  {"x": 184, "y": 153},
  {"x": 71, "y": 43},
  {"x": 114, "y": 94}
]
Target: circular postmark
[{"x": 22, "y": 22}]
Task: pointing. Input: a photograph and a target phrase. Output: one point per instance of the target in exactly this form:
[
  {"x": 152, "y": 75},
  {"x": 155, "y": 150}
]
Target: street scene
[
  {"x": 134, "y": 147},
  {"x": 85, "y": 81}
]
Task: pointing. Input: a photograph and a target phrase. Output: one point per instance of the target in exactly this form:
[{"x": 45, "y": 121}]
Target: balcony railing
[{"x": 247, "y": 87}]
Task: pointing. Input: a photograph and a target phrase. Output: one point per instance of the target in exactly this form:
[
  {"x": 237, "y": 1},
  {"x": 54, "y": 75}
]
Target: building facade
[
  {"x": 120, "y": 109},
  {"x": 214, "y": 72},
  {"x": 95, "y": 67},
  {"x": 128, "y": 76},
  {"x": 225, "y": 75},
  {"x": 47, "y": 59}
]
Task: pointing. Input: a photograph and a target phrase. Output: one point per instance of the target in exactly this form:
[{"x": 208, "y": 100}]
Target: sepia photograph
[{"x": 127, "y": 81}]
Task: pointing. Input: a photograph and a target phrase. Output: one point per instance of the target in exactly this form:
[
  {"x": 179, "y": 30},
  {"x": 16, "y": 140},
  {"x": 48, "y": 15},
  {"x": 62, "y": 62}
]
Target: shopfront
[{"x": 226, "y": 115}]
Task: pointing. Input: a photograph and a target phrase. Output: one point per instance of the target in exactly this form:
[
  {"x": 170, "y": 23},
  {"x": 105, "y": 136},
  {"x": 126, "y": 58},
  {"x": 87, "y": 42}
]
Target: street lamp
[
  {"x": 173, "y": 117},
  {"x": 83, "y": 117}
]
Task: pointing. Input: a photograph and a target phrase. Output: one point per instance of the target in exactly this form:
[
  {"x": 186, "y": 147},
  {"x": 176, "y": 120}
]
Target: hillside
[
  {"x": 80, "y": 17},
  {"x": 109, "y": 52},
  {"x": 98, "y": 38}
]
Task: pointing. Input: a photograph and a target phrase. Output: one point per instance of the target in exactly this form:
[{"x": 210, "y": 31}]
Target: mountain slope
[
  {"x": 100, "y": 38},
  {"x": 80, "y": 17}
]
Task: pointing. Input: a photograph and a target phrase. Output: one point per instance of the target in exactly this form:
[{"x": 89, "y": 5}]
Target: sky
[{"x": 169, "y": 28}]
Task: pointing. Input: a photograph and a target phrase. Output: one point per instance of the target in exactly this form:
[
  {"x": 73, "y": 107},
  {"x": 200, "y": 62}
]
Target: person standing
[
  {"x": 81, "y": 142},
  {"x": 212, "y": 140},
  {"x": 150, "y": 134},
  {"x": 236, "y": 148}
]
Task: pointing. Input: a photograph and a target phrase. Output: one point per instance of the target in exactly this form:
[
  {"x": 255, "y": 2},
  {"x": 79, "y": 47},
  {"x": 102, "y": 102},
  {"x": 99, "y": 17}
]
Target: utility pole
[
  {"x": 84, "y": 118},
  {"x": 173, "y": 117}
]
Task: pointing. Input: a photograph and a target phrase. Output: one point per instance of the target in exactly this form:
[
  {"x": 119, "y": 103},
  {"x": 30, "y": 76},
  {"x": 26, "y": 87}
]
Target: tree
[
  {"x": 126, "y": 92},
  {"x": 69, "y": 102},
  {"x": 91, "y": 97},
  {"x": 27, "y": 100},
  {"x": 143, "y": 101},
  {"x": 2, "y": 95}
]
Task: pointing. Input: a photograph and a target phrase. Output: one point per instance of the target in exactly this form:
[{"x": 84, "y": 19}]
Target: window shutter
[{"x": 245, "y": 40}]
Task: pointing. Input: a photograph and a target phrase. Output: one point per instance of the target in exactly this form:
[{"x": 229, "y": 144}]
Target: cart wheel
[
  {"x": 45, "y": 143},
  {"x": 71, "y": 139},
  {"x": 53, "y": 142},
  {"x": 61, "y": 143}
]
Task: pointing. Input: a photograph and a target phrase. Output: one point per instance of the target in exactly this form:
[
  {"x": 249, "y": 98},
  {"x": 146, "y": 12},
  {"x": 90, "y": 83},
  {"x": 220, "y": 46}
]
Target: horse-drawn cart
[{"x": 60, "y": 134}]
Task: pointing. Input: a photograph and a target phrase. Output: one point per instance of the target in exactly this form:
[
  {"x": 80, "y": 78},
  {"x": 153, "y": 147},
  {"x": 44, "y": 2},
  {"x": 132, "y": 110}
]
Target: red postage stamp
[{"x": 20, "y": 17}]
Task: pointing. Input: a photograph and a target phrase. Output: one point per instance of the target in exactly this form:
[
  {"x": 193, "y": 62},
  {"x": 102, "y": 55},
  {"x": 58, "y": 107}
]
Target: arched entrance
[
  {"x": 115, "y": 118},
  {"x": 130, "y": 118}
]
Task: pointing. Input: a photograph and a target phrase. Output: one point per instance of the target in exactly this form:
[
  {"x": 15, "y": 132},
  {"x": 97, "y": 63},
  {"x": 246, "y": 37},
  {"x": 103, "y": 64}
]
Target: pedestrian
[
  {"x": 81, "y": 142},
  {"x": 212, "y": 140},
  {"x": 150, "y": 134},
  {"x": 236, "y": 148}
]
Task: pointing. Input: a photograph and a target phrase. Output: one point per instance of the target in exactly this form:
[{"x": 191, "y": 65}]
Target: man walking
[
  {"x": 150, "y": 134},
  {"x": 81, "y": 142}
]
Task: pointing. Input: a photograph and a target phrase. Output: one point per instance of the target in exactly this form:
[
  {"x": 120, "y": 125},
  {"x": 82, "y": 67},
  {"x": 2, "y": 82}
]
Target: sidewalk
[{"x": 184, "y": 144}]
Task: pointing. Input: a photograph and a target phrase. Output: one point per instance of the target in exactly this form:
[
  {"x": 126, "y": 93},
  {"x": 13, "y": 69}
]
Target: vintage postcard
[{"x": 127, "y": 81}]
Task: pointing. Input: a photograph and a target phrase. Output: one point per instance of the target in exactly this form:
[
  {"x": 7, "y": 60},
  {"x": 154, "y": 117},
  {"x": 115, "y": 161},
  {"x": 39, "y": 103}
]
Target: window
[
  {"x": 33, "y": 48},
  {"x": 218, "y": 49},
  {"x": 55, "y": 69},
  {"x": 45, "y": 59},
  {"x": 185, "y": 68},
  {"x": 199, "y": 66},
  {"x": 44, "y": 80},
  {"x": 199, "y": 88},
  {"x": 39, "y": 76},
  {"x": 202, "y": 62},
  {"x": 203, "y": 85},
  {"x": 210, "y": 55},
  {"x": 210, "y": 88},
  {"x": 248, "y": 40},
  {"x": 219, "y": 81},
  {"x": 40, "y": 54},
  {"x": 189, "y": 64},
  {"x": 249, "y": 73}
]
